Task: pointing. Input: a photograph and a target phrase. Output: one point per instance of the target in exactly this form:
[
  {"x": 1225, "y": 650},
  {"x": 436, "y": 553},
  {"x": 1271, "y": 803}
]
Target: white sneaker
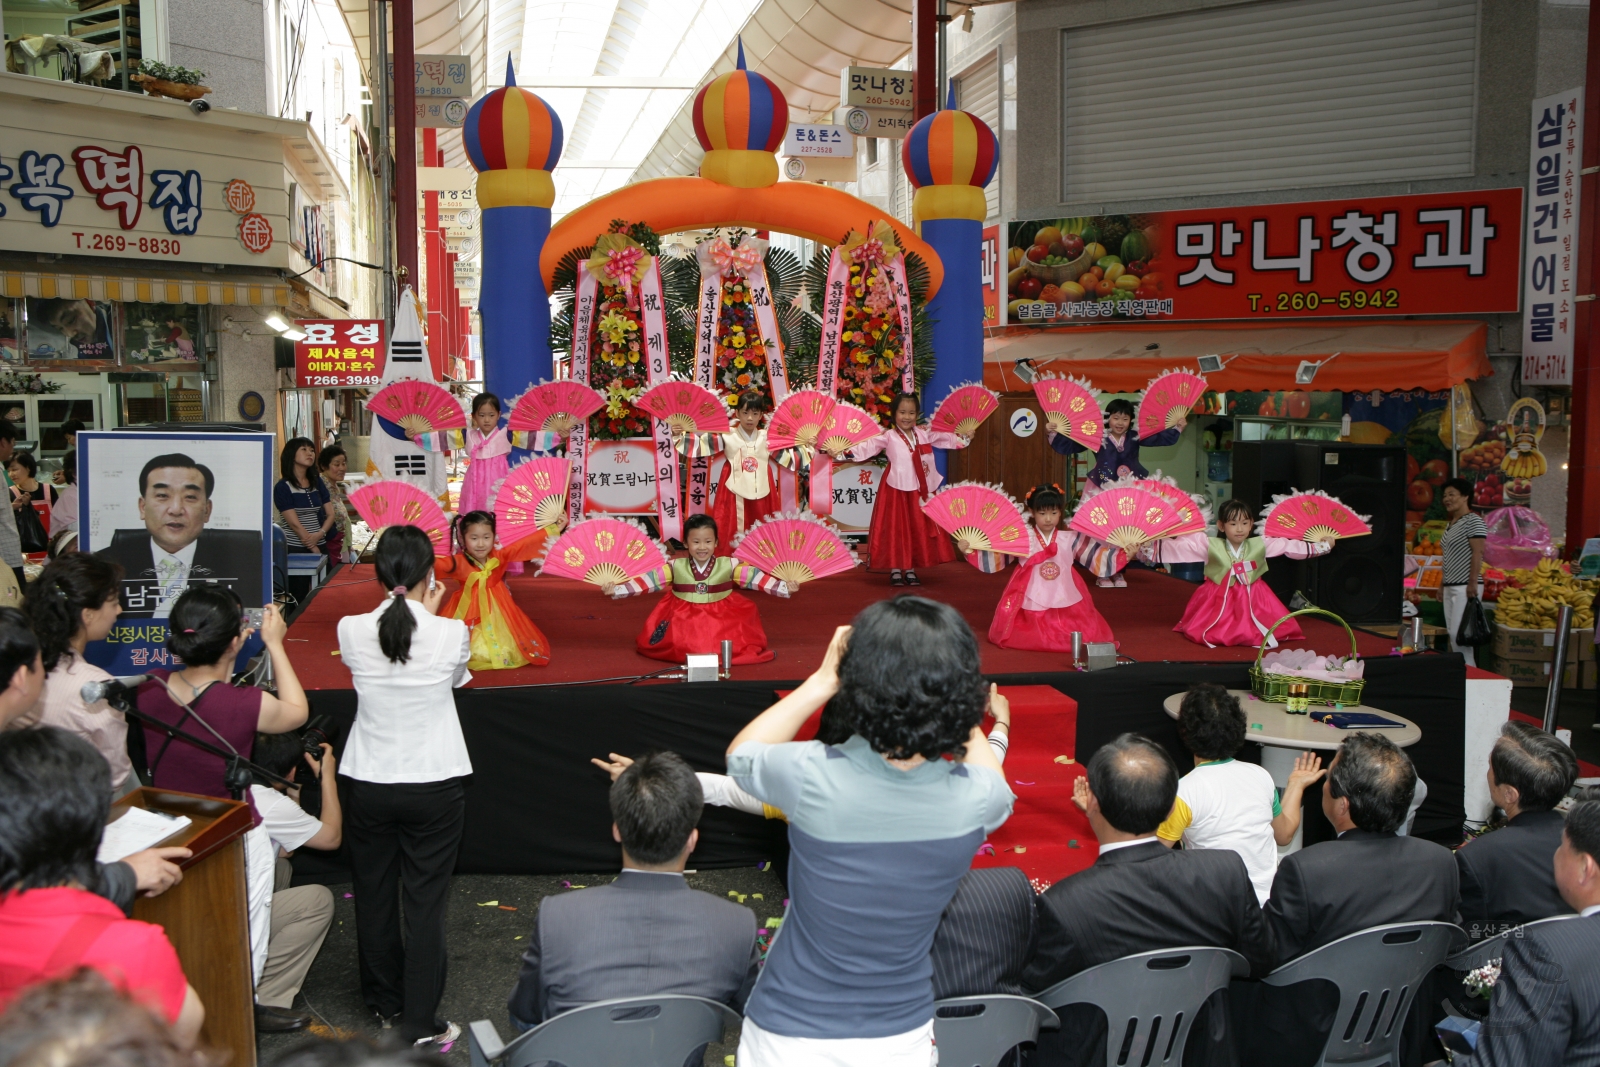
[
  {"x": 1105, "y": 583},
  {"x": 444, "y": 1040}
]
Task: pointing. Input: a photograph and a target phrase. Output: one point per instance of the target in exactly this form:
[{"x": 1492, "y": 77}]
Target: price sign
[{"x": 338, "y": 353}]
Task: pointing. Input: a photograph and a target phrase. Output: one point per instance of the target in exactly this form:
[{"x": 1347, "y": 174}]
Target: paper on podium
[{"x": 137, "y": 830}]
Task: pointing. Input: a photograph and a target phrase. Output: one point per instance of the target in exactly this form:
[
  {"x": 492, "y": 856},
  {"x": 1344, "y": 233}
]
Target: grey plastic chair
[
  {"x": 1150, "y": 999},
  {"x": 979, "y": 1031},
  {"x": 1490, "y": 948},
  {"x": 1377, "y": 971},
  {"x": 631, "y": 1032}
]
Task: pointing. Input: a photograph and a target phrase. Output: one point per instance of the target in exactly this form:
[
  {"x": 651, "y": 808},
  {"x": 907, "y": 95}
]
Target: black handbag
[
  {"x": 29, "y": 529},
  {"x": 1474, "y": 628}
]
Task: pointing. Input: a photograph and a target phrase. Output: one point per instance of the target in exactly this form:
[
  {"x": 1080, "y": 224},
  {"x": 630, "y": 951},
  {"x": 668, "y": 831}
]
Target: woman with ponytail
[
  {"x": 74, "y": 601},
  {"x": 406, "y": 800}
]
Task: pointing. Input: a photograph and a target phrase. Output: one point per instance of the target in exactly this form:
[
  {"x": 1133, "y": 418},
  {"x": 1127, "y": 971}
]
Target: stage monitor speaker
[{"x": 1360, "y": 579}]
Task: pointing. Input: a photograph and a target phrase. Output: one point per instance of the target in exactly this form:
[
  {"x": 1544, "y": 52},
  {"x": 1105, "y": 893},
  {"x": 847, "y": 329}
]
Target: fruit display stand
[{"x": 1525, "y": 618}]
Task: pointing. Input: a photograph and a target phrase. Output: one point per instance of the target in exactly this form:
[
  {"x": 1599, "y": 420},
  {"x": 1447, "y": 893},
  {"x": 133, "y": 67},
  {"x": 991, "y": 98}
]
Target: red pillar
[
  {"x": 1583, "y": 463},
  {"x": 438, "y": 339},
  {"x": 405, "y": 139},
  {"x": 924, "y": 57}
]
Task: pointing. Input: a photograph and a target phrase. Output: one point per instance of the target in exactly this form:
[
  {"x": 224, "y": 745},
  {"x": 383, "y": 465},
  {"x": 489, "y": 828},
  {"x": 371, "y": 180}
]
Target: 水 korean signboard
[
  {"x": 1435, "y": 254},
  {"x": 338, "y": 353},
  {"x": 1550, "y": 256},
  {"x": 146, "y": 180}
]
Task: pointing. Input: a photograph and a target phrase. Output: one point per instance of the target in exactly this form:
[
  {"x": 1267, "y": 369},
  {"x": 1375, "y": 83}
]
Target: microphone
[{"x": 93, "y": 691}]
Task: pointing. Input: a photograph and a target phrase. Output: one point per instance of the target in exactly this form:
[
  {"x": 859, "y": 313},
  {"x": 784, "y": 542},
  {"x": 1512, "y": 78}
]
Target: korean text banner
[
  {"x": 1555, "y": 152},
  {"x": 1435, "y": 254},
  {"x": 338, "y": 353}
]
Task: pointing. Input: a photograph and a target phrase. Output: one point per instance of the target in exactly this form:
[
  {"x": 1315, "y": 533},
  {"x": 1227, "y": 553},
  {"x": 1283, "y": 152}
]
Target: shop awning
[
  {"x": 1390, "y": 355},
  {"x": 259, "y": 292}
]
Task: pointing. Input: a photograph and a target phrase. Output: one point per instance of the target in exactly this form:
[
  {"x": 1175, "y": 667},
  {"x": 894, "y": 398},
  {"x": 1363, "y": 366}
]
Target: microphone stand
[{"x": 117, "y": 696}]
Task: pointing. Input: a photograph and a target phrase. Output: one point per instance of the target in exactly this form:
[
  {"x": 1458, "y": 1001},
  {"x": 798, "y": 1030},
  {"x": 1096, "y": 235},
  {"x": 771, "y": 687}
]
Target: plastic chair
[
  {"x": 630, "y": 1032},
  {"x": 1377, "y": 972},
  {"x": 1150, "y": 999},
  {"x": 979, "y": 1031},
  {"x": 1474, "y": 956}
]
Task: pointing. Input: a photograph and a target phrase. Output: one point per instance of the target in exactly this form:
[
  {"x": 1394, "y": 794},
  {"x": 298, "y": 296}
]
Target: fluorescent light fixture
[
  {"x": 293, "y": 335},
  {"x": 276, "y": 323}
]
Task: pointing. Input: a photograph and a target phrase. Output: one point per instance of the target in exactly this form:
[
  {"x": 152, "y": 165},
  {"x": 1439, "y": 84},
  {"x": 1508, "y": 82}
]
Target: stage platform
[
  {"x": 592, "y": 638},
  {"x": 536, "y": 806}
]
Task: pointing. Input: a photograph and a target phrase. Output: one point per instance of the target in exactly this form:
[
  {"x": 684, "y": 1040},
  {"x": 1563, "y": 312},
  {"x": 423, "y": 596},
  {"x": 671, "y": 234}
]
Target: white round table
[{"x": 1283, "y": 736}]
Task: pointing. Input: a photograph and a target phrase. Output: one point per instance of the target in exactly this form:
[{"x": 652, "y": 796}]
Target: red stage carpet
[{"x": 591, "y": 637}]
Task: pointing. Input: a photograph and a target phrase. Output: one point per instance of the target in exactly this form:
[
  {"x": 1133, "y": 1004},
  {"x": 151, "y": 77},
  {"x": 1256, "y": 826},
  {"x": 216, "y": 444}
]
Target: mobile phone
[{"x": 431, "y": 581}]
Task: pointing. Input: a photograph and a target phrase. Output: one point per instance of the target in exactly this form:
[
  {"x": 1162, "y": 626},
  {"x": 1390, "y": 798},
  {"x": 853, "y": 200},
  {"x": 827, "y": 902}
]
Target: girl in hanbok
[
  {"x": 701, "y": 608},
  {"x": 901, "y": 538},
  {"x": 488, "y": 462},
  {"x": 502, "y": 636},
  {"x": 746, "y": 493},
  {"x": 1045, "y": 601},
  {"x": 1233, "y": 606}
]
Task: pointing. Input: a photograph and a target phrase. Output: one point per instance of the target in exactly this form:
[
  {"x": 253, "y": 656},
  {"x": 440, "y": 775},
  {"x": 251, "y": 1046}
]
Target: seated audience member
[
  {"x": 986, "y": 935},
  {"x": 1224, "y": 803},
  {"x": 1367, "y": 877},
  {"x": 1139, "y": 896},
  {"x": 1506, "y": 874},
  {"x": 151, "y": 872},
  {"x": 881, "y": 830},
  {"x": 301, "y": 914},
  {"x": 81, "y": 1021},
  {"x": 209, "y": 630},
  {"x": 648, "y": 932},
  {"x": 1545, "y": 1008},
  {"x": 74, "y": 601},
  {"x": 55, "y": 797}
]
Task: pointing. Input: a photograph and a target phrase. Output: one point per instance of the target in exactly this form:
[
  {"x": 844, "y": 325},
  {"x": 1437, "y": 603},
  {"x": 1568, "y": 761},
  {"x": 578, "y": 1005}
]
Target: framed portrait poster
[{"x": 174, "y": 510}]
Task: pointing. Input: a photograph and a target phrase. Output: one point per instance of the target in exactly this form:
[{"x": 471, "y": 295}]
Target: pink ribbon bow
[
  {"x": 869, "y": 252},
  {"x": 730, "y": 260}
]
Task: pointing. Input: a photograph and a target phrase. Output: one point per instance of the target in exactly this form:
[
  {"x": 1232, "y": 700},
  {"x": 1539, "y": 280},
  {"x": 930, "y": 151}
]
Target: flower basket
[
  {"x": 176, "y": 90},
  {"x": 1274, "y": 688}
]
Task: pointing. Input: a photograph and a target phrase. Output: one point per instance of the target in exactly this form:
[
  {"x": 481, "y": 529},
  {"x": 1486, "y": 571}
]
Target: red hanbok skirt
[
  {"x": 726, "y": 508},
  {"x": 901, "y": 537},
  {"x": 678, "y": 628},
  {"x": 1050, "y": 630},
  {"x": 1235, "y": 615}
]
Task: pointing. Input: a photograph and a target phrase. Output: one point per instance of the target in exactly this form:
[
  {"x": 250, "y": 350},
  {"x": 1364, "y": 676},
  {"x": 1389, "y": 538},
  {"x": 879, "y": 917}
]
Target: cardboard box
[
  {"x": 1538, "y": 646},
  {"x": 1525, "y": 674}
]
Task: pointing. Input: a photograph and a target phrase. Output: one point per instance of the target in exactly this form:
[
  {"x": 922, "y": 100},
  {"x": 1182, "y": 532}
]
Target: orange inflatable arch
[{"x": 670, "y": 205}]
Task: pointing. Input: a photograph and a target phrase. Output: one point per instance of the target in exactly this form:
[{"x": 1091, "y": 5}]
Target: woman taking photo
[
  {"x": 74, "y": 601},
  {"x": 208, "y": 631},
  {"x": 881, "y": 829},
  {"x": 301, "y": 498},
  {"x": 406, "y": 762},
  {"x": 1463, "y": 543}
]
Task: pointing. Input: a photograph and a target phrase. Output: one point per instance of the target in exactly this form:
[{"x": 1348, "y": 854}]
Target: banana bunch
[
  {"x": 1531, "y": 598},
  {"x": 1529, "y": 464}
]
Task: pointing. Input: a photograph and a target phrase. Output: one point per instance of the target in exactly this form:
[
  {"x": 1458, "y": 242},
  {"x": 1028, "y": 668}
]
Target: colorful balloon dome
[
  {"x": 740, "y": 119},
  {"x": 949, "y": 157},
  {"x": 513, "y": 139}
]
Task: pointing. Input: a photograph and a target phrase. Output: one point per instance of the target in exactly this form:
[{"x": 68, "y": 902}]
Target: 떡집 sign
[
  {"x": 338, "y": 353},
  {"x": 1549, "y": 267},
  {"x": 1433, "y": 254},
  {"x": 443, "y": 89},
  {"x": 806, "y": 139}
]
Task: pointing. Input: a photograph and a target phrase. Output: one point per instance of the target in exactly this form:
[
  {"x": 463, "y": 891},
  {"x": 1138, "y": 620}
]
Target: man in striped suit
[
  {"x": 1545, "y": 1009},
  {"x": 986, "y": 935}
]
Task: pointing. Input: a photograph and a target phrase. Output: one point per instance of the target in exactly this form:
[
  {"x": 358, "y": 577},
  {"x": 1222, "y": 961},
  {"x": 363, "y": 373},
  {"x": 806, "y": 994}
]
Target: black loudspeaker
[{"x": 1360, "y": 579}]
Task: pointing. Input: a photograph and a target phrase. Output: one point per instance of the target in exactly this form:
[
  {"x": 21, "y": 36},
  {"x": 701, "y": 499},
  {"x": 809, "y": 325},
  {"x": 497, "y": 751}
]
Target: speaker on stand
[{"x": 1360, "y": 579}]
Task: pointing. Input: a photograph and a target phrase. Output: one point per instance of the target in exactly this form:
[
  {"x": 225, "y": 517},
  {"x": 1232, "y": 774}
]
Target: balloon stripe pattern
[
  {"x": 950, "y": 148},
  {"x": 740, "y": 110},
  {"x": 512, "y": 129}
]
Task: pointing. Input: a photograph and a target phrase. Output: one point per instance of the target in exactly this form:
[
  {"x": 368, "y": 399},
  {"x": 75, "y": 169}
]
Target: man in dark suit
[
  {"x": 1367, "y": 877},
  {"x": 648, "y": 932},
  {"x": 1507, "y": 877},
  {"x": 986, "y": 935},
  {"x": 1545, "y": 1009},
  {"x": 175, "y": 550},
  {"x": 1139, "y": 896}
]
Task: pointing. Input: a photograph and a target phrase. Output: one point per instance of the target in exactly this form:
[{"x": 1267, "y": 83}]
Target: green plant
[{"x": 179, "y": 75}]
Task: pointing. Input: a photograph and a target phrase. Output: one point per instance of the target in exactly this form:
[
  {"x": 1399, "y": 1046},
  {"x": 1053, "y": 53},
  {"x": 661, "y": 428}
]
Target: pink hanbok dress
[{"x": 1045, "y": 600}]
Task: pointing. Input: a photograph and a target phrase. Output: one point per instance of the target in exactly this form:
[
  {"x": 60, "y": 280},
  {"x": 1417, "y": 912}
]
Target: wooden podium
[{"x": 205, "y": 915}]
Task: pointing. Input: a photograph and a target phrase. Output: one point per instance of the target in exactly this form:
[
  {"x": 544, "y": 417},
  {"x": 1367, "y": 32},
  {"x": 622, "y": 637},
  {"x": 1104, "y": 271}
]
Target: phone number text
[
  {"x": 338, "y": 379},
  {"x": 1344, "y": 300},
  {"x": 117, "y": 242}
]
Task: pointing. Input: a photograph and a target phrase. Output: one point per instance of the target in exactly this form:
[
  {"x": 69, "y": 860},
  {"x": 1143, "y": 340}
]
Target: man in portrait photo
[{"x": 174, "y": 549}]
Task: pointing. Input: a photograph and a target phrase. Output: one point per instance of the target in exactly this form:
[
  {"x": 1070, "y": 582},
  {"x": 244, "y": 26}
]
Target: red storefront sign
[
  {"x": 992, "y": 277},
  {"x": 1435, "y": 254},
  {"x": 338, "y": 353}
]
